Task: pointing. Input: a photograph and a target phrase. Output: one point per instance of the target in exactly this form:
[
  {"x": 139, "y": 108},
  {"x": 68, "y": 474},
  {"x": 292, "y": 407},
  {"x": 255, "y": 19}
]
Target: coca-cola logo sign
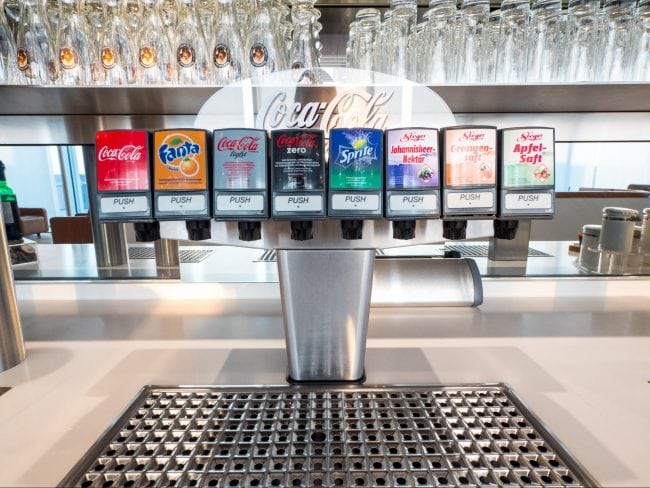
[
  {"x": 356, "y": 108},
  {"x": 529, "y": 136},
  {"x": 307, "y": 141},
  {"x": 246, "y": 143},
  {"x": 129, "y": 152}
]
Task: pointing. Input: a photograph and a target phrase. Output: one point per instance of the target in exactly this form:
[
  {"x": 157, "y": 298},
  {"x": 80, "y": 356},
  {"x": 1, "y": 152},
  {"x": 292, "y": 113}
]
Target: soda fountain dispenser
[
  {"x": 469, "y": 176},
  {"x": 412, "y": 178},
  {"x": 181, "y": 174},
  {"x": 241, "y": 179},
  {"x": 355, "y": 178},
  {"x": 298, "y": 179}
]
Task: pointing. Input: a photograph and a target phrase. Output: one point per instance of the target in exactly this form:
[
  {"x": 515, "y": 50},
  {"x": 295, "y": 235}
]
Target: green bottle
[{"x": 9, "y": 209}]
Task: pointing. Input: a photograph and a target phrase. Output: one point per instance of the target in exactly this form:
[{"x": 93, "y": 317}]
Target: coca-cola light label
[
  {"x": 297, "y": 160},
  {"x": 239, "y": 159},
  {"x": 122, "y": 160},
  {"x": 412, "y": 158}
]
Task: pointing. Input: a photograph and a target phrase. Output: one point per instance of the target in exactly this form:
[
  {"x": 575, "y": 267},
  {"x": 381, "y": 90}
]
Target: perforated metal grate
[
  {"x": 189, "y": 256},
  {"x": 306, "y": 436}
]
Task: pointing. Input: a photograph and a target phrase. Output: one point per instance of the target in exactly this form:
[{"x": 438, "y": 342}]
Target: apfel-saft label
[
  {"x": 412, "y": 158},
  {"x": 528, "y": 158},
  {"x": 180, "y": 161}
]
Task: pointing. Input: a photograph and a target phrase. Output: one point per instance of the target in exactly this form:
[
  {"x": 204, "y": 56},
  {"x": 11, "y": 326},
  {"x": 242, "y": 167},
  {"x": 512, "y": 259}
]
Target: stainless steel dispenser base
[
  {"x": 326, "y": 303},
  {"x": 310, "y": 436},
  {"x": 511, "y": 250}
]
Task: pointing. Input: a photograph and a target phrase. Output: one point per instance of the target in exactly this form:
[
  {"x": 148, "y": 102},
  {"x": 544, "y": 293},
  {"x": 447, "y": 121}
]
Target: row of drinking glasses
[
  {"x": 520, "y": 42},
  {"x": 154, "y": 42}
]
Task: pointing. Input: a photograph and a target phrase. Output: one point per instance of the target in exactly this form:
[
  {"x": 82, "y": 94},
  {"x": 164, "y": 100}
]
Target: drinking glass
[
  {"x": 545, "y": 41},
  {"x": 439, "y": 40},
  {"x": 511, "y": 52},
  {"x": 34, "y": 47},
  {"x": 492, "y": 44},
  {"x": 192, "y": 58},
  {"x": 350, "y": 46},
  {"x": 134, "y": 17},
  {"x": 53, "y": 14},
  {"x": 402, "y": 24},
  {"x": 303, "y": 48},
  {"x": 641, "y": 64},
  {"x": 116, "y": 52},
  {"x": 169, "y": 14},
  {"x": 7, "y": 51},
  {"x": 208, "y": 16},
  {"x": 472, "y": 41},
  {"x": 619, "y": 40},
  {"x": 244, "y": 10},
  {"x": 12, "y": 12},
  {"x": 368, "y": 25},
  {"x": 94, "y": 21},
  {"x": 582, "y": 39},
  {"x": 156, "y": 63},
  {"x": 72, "y": 46},
  {"x": 265, "y": 54},
  {"x": 227, "y": 46}
]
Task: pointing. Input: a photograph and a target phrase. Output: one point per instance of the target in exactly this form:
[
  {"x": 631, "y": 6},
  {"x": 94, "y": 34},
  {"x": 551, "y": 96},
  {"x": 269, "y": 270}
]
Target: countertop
[{"x": 581, "y": 364}]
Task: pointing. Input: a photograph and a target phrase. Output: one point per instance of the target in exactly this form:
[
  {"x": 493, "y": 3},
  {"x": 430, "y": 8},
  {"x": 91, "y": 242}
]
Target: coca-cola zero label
[
  {"x": 122, "y": 160},
  {"x": 297, "y": 160},
  {"x": 239, "y": 159}
]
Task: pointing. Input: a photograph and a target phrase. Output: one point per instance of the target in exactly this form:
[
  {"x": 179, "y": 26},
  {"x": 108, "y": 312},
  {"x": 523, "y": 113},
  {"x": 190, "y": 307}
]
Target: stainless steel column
[
  {"x": 511, "y": 250},
  {"x": 166, "y": 253},
  {"x": 109, "y": 238},
  {"x": 12, "y": 344}
]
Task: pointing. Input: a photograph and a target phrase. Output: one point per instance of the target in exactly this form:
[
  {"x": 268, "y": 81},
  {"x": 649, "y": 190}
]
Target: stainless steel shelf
[{"x": 135, "y": 101}]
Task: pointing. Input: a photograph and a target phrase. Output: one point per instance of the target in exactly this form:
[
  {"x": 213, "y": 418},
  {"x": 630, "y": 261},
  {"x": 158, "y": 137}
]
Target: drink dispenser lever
[
  {"x": 526, "y": 177},
  {"x": 241, "y": 179},
  {"x": 123, "y": 181},
  {"x": 469, "y": 176},
  {"x": 355, "y": 178},
  {"x": 298, "y": 179},
  {"x": 412, "y": 189},
  {"x": 181, "y": 179}
]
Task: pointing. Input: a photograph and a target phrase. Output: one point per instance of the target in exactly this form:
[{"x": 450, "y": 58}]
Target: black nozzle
[
  {"x": 352, "y": 229},
  {"x": 505, "y": 229},
  {"x": 404, "y": 229},
  {"x": 198, "y": 230},
  {"x": 302, "y": 230},
  {"x": 454, "y": 229},
  {"x": 147, "y": 231},
  {"x": 250, "y": 231}
]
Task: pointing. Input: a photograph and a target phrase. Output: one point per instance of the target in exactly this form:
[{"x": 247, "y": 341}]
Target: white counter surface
[{"x": 581, "y": 364}]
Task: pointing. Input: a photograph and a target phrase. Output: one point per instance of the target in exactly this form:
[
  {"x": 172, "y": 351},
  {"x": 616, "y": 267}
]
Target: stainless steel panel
[
  {"x": 166, "y": 251},
  {"x": 514, "y": 249},
  {"x": 421, "y": 282},
  {"x": 465, "y": 435},
  {"x": 326, "y": 303}
]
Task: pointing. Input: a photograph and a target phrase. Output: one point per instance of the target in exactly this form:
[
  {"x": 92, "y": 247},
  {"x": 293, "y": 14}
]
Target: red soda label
[{"x": 122, "y": 160}]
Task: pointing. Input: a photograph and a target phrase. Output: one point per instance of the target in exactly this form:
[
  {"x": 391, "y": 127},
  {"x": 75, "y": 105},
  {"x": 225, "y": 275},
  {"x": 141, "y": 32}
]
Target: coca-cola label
[
  {"x": 180, "y": 161},
  {"x": 412, "y": 158},
  {"x": 470, "y": 156},
  {"x": 239, "y": 159},
  {"x": 122, "y": 160},
  {"x": 528, "y": 158},
  {"x": 297, "y": 160},
  {"x": 356, "y": 159}
]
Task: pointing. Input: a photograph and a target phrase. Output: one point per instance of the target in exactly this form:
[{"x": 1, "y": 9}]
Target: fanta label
[{"x": 180, "y": 161}]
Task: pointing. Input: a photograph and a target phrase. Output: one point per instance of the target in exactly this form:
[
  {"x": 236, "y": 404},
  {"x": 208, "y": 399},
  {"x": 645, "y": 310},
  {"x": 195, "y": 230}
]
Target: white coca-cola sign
[{"x": 126, "y": 153}]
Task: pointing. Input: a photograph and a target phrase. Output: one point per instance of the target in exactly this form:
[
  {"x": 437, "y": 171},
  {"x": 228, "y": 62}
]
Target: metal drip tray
[
  {"x": 189, "y": 256},
  {"x": 478, "y": 435}
]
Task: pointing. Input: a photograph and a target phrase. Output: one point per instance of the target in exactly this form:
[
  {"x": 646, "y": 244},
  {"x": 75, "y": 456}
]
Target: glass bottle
[
  {"x": 545, "y": 41},
  {"x": 439, "y": 40},
  {"x": 511, "y": 53},
  {"x": 303, "y": 48},
  {"x": 7, "y": 51},
  {"x": 472, "y": 37},
  {"x": 208, "y": 17},
  {"x": 156, "y": 64},
  {"x": 227, "y": 46},
  {"x": 192, "y": 60},
  {"x": 34, "y": 47},
  {"x": 72, "y": 46},
  {"x": 116, "y": 48},
  {"x": 265, "y": 55},
  {"x": 641, "y": 64},
  {"x": 619, "y": 40},
  {"x": 9, "y": 209},
  {"x": 369, "y": 20},
  {"x": 582, "y": 39}
]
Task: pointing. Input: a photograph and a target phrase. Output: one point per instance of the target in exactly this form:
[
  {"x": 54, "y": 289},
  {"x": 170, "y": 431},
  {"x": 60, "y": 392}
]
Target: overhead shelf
[{"x": 561, "y": 98}]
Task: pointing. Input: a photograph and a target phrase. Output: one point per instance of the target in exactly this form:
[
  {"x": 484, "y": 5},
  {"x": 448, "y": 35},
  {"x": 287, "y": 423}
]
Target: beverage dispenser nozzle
[
  {"x": 147, "y": 231},
  {"x": 302, "y": 230},
  {"x": 352, "y": 229},
  {"x": 198, "y": 230},
  {"x": 454, "y": 229},
  {"x": 404, "y": 229},
  {"x": 505, "y": 229}
]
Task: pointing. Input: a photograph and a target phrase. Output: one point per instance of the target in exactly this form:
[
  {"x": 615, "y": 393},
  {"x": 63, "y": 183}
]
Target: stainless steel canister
[
  {"x": 617, "y": 231},
  {"x": 588, "y": 258}
]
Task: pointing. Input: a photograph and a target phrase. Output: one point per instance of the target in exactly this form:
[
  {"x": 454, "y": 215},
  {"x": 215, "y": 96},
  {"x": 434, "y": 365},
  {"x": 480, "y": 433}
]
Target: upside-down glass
[
  {"x": 618, "y": 44},
  {"x": 303, "y": 48},
  {"x": 12, "y": 11},
  {"x": 350, "y": 45},
  {"x": 582, "y": 39},
  {"x": 368, "y": 25},
  {"x": 156, "y": 63},
  {"x": 511, "y": 52},
  {"x": 492, "y": 43},
  {"x": 641, "y": 64},
  {"x": 72, "y": 46},
  {"x": 472, "y": 37},
  {"x": 545, "y": 41},
  {"x": 134, "y": 17},
  {"x": 116, "y": 52},
  {"x": 169, "y": 15},
  {"x": 264, "y": 51},
  {"x": 7, "y": 51},
  {"x": 227, "y": 46},
  {"x": 192, "y": 58},
  {"x": 402, "y": 25},
  {"x": 439, "y": 40},
  {"x": 53, "y": 14},
  {"x": 208, "y": 16},
  {"x": 34, "y": 47}
]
